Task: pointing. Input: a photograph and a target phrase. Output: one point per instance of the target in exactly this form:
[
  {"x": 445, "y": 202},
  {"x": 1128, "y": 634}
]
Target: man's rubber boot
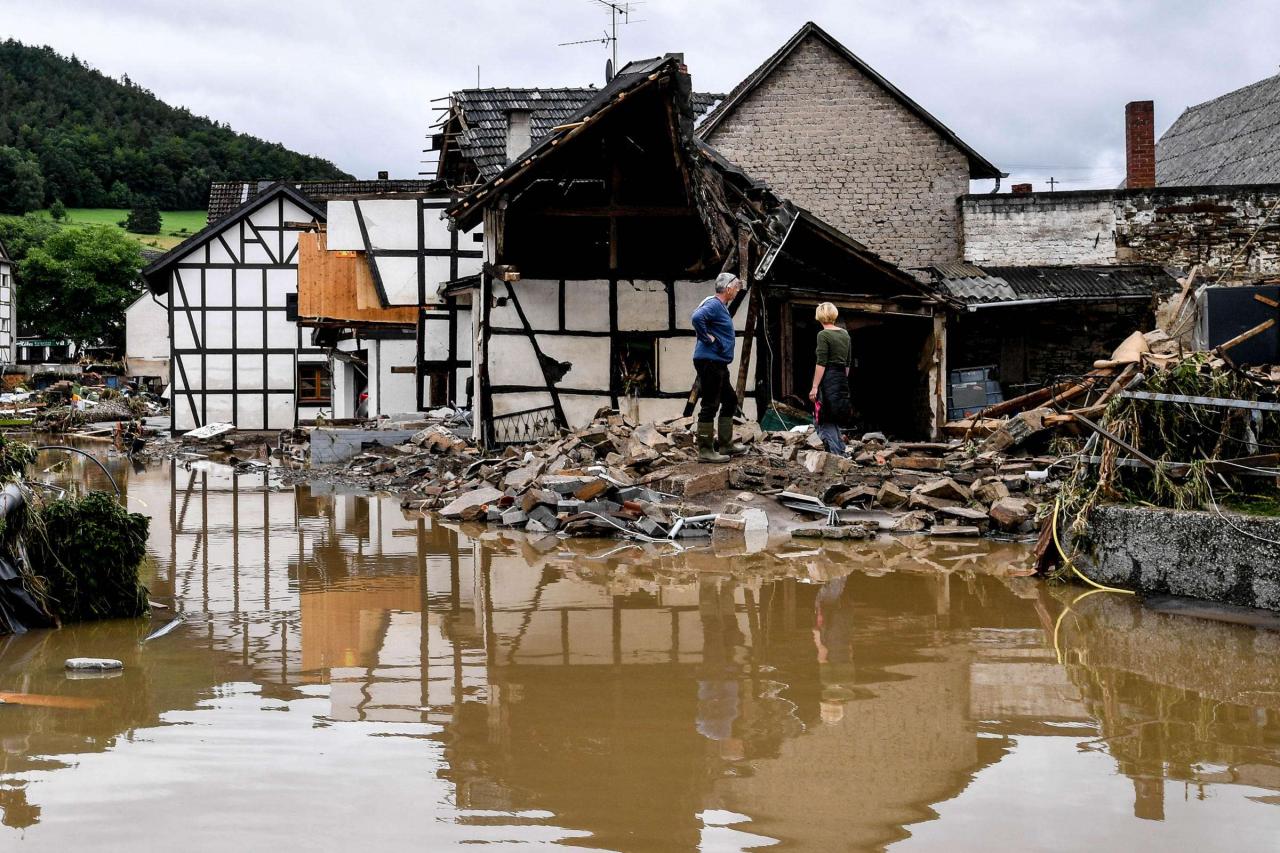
[
  {"x": 724, "y": 440},
  {"x": 707, "y": 444}
]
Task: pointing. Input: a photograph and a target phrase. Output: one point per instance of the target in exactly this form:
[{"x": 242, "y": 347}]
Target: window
[{"x": 315, "y": 384}]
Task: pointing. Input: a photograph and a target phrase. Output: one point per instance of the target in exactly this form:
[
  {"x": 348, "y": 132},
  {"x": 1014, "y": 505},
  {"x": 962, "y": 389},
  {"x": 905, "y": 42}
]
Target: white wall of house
[
  {"x": 8, "y": 313},
  {"x": 146, "y": 338},
  {"x": 391, "y": 390},
  {"x": 235, "y": 354},
  {"x": 649, "y": 313}
]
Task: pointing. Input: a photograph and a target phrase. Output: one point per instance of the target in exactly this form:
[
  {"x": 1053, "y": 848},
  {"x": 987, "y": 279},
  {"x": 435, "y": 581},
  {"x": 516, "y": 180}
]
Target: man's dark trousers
[{"x": 716, "y": 390}]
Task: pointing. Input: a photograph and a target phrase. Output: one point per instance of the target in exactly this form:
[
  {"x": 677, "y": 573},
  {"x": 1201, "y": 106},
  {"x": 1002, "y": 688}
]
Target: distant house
[
  {"x": 146, "y": 339},
  {"x": 1232, "y": 139},
  {"x": 820, "y": 126},
  {"x": 236, "y": 354},
  {"x": 8, "y": 313}
]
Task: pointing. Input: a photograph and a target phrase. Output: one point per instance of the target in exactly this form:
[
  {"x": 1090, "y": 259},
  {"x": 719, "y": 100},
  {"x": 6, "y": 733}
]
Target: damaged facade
[{"x": 603, "y": 237}]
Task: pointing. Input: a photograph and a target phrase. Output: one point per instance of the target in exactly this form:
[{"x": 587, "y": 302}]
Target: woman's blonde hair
[{"x": 826, "y": 313}]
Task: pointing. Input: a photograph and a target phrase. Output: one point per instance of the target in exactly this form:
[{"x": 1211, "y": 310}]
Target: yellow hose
[{"x": 1057, "y": 505}]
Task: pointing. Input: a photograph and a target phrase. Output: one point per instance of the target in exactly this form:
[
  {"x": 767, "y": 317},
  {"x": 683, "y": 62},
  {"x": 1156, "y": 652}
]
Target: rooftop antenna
[{"x": 609, "y": 38}]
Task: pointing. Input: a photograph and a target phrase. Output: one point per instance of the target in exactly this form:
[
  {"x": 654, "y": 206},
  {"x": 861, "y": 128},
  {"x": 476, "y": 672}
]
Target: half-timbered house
[
  {"x": 8, "y": 317},
  {"x": 236, "y": 353},
  {"x": 602, "y": 238}
]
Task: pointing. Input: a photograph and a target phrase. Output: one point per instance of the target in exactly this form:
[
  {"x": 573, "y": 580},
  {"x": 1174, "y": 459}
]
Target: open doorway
[{"x": 889, "y": 377}]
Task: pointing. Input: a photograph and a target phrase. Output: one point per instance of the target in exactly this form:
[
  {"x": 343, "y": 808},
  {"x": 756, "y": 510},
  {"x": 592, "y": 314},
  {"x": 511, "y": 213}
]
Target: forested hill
[{"x": 91, "y": 141}]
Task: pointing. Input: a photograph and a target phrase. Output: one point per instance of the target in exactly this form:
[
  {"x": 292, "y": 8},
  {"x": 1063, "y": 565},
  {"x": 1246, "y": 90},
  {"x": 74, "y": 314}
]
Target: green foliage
[
  {"x": 1183, "y": 433},
  {"x": 144, "y": 218},
  {"x": 58, "y": 211},
  {"x": 96, "y": 142},
  {"x": 89, "y": 550},
  {"x": 78, "y": 284},
  {"x": 15, "y": 456},
  {"x": 21, "y": 184},
  {"x": 21, "y": 234}
]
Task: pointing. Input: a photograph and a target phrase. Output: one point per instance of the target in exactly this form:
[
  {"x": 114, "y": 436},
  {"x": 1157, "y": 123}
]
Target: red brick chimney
[
  {"x": 1020, "y": 189},
  {"x": 1140, "y": 144}
]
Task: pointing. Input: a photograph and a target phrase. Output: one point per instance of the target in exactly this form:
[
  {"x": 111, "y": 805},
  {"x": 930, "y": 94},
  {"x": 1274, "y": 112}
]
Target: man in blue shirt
[{"x": 712, "y": 355}]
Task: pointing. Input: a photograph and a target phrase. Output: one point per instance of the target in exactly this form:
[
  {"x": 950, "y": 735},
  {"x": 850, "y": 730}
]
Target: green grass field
[{"x": 175, "y": 225}]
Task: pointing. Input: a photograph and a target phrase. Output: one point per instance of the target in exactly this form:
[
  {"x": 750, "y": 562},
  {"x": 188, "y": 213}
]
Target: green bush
[{"x": 89, "y": 551}]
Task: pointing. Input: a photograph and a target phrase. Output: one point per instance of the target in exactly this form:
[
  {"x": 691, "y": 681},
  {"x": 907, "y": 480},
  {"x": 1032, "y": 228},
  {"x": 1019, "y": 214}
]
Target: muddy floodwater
[{"x": 345, "y": 677}]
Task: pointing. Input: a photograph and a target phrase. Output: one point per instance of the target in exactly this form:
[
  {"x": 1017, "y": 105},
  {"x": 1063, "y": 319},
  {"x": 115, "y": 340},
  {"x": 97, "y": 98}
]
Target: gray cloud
[{"x": 1037, "y": 87}]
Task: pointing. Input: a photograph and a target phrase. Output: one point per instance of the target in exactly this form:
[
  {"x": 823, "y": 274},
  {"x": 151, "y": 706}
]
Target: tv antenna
[{"x": 618, "y": 13}]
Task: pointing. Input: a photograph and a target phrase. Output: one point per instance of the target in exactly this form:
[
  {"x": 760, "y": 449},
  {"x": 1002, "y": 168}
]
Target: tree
[
  {"x": 144, "y": 218},
  {"x": 78, "y": 285},
  {"x": 21, "y": 184},
  {"x": 58, "y": 210},
  {"x": 21, "y": 234}
]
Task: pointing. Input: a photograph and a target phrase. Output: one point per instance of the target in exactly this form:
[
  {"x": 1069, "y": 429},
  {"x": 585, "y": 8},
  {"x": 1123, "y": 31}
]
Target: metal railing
[{"x": 525, "y": 426}]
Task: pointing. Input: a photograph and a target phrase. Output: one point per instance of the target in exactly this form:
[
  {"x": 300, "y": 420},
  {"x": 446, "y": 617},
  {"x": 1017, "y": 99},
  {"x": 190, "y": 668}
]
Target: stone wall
[
  {"x": 1192, "y": 554},
  {"x": 834, "y": 142},
  {"x": 1175, "y": 227}
]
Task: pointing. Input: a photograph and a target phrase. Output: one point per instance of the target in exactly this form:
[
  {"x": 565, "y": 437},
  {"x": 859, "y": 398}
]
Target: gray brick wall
[
  {"x": 820, "y": 133},
  {"x": 1175, "y": 227}
]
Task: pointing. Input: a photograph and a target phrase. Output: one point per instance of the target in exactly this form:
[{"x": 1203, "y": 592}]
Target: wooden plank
[
  {"x": 339, "y": 286},
  {"x": 1246, "y": 335}
]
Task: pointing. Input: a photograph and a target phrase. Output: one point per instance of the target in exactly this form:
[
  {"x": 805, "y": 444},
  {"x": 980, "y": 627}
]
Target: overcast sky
[{"x": 1038, "y": 87}]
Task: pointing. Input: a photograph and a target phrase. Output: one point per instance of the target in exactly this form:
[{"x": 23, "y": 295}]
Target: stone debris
[{"x": 93, "y": 665}]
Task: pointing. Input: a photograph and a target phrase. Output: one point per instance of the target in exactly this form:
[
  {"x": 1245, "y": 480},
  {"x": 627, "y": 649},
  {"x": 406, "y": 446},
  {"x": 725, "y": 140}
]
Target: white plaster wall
[
  {"x": 675, "y": 364},
  {"x": 586, "y": 305},
  {"x": 589, "y": 357},
  {"x": 512, "y": 361},
  {"x": 1016, "y": 231},
  {"x": 146, "y": 329},
  {"x": 642, "y": 306},
  {"x": 392, "y": 393},
  {"x": 690, "y": 294},
  {"x": 540, "y": 300}
]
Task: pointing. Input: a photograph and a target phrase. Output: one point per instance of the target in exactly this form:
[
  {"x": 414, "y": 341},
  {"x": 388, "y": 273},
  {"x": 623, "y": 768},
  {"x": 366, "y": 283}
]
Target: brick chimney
[
  {"x": 1020, "y": 189},
  {"x": 1140, "y": 144}
]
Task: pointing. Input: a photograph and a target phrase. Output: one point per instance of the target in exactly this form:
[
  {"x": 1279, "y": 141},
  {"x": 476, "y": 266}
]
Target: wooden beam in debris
[{"x": 1246, "y": 335}]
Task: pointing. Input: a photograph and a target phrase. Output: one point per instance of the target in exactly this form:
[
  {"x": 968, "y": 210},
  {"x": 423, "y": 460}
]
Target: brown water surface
[{"x": 346, "y": 677}]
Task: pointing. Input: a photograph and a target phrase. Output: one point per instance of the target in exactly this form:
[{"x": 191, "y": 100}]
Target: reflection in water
[{"x": 442, "y": 688}]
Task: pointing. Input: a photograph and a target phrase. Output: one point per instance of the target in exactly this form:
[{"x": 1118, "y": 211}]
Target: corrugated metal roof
[
  {"x": 1233, "y": 139},
  {"x": 226, "y": 196},
  {"x": 977, "y": 286},
  {"x": 483, "y": 112}
]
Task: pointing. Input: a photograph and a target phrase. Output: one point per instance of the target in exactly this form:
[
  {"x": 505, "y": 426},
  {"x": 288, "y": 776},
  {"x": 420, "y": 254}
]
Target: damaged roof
[
  {"x": 990, "y": 286},
  {"x": 226, "y": 196},
  {"x": 979, "y": 166},
  {"x": 790, "y": 232},
  {"x": 482, "y": 115},
  {"x": 1233, "y": 139}
]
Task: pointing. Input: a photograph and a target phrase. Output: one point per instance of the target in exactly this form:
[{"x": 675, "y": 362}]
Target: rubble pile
[{"x": 617, "y": 477}]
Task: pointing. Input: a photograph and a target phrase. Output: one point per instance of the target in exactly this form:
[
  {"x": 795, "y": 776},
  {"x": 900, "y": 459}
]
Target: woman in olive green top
[{"x": 830, "y": 391}]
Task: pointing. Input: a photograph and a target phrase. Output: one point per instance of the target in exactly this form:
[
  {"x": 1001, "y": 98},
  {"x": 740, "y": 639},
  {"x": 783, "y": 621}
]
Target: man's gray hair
[{"x": 724, "y": 281}]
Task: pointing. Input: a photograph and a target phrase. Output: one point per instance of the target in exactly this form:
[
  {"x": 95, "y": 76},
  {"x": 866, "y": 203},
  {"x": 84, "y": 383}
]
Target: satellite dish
[{"x": 608, "y": 70}]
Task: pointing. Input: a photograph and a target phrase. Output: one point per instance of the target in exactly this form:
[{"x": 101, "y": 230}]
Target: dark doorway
[{"x": 889, "y": 376}]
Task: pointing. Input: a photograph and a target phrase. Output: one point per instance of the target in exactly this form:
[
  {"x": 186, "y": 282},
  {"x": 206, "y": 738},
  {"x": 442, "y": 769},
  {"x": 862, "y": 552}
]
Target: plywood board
[{"x": 338, "y": 285}]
